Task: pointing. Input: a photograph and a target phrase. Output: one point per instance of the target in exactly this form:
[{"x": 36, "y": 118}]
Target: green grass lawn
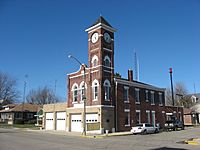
[{"x": 30, "y": 126}]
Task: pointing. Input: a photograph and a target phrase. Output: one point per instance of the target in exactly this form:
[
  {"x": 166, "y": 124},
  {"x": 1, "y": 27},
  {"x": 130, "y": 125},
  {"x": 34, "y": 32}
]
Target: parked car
[
  {"x": 144, "y": 128},
  {"x": 174, "y": 125}
]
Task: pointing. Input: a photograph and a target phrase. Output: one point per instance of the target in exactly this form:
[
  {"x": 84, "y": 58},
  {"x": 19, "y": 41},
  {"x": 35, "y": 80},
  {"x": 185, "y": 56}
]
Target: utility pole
[
  {"x": 172, "y": 90},
  {"x": 84, "y": 97},
  {"x": 24, "y": 98}
]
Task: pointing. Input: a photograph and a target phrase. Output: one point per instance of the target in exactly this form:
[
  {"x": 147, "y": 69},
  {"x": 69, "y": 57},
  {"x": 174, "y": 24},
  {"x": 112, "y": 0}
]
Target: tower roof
[
  {"x": 102, "y": 23},
  {"x": 101, "y": 20}
]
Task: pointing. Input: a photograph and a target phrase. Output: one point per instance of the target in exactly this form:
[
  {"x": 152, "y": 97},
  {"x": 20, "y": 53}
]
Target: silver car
[{"x": 144, "y": 128}]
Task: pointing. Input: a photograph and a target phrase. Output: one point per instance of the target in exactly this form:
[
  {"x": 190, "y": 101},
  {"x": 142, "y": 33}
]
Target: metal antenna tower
[{"x": 136, "y": 66}]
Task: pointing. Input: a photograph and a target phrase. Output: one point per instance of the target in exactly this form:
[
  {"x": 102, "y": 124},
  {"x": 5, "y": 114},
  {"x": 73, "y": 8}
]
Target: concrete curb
[
  {"x": 108, "y": 135},
  {"x": 92, "y": 136}
]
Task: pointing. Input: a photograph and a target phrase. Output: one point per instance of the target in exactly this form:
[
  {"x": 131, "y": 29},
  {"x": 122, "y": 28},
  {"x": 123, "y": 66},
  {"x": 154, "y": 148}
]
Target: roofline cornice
[
  {"x": 136, "y": 84},
  {"x": 101, "y": 26}
]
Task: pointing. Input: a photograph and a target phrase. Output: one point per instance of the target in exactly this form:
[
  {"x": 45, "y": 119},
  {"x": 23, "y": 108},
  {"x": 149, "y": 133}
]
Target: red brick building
[{"x": 113, "y": 104}]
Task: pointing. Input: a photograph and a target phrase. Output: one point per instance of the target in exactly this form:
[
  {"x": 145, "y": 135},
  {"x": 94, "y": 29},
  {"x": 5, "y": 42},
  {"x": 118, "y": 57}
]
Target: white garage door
[
  {"x": 76, "y": 124},
  {"x": 60, "y": 120},
  {"x": 49, "y": 121},
  {"x": 91, "y": 118}
]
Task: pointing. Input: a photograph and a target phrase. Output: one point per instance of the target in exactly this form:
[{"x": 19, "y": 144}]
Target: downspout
[{"x": 116, "y": 120}]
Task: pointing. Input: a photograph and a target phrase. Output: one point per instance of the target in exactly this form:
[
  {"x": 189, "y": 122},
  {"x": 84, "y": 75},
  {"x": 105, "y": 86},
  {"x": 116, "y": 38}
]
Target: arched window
[
  {"x": 107, "y": 61},
  {"x": 94, "y": 61},
  {"x": 83, "y": 90},
  {"x": 95, "y": 89},
  {"x": 75, "y": 92},
  {"x": 107, "y": 90}
]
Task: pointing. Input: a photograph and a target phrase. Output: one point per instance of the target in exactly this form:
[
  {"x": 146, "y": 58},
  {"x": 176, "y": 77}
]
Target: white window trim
[
  {"x": 153, "y": 112},
  {"x": 152, "y": 102},
  {"x": 93, "y": 86},
  {"x": 108, "y": 85},
  {"x": 126, "y": 88},
  {"x": 128, "y": 111},
  {"x": 137, "y": 90},
  {"x": 107, "y": 58},
  {"x": 148, "y": 116},
  {"x": 160, "y": 100},
  {"x": 147, "y": 95},
  {"x": 73, "y": 86},
  {"x": 138, "y": 111},
  {"x": 81, "y": 88},
  {"x": 95, "y": 57}
]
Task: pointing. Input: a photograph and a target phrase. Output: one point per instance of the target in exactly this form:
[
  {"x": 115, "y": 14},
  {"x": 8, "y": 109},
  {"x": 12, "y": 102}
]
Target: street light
[
  {"x": 170, "y": 71},
  {"x": 84, "y": 94}
]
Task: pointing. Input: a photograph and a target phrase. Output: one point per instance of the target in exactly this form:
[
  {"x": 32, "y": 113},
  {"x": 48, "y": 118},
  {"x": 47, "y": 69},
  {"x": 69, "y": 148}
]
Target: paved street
[{"x": 13, "y": 139}]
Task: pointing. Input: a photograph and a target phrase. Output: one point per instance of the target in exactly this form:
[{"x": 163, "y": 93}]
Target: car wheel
[
  {"x": 145, "y": 132},
  {"x": 156, "y": 131}
]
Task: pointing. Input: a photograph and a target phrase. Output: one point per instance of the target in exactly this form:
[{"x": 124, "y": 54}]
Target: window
[
  {"x": 153, "y": 118},
  {"x": 95, "y": 89},
  {"x": 160, "y": 98},
  {"x": 30, "y": 115},
  {"x": 83, "y": 90},
  {"x": 137, "y": 95},
  {"x": 17, "y": 115},
  {"x": 75, "y": 92},
  {"x": 94, "y": 61},
  {"x": 126, "y": 99},
  {"x": 147, "y": 95},
  {"x": 107, "y": 89},
  {"x": 107, "y": 61},
  {"x": 138, "y": 117},
  {"x": 152, "y": 98},
  {"x": 148, "y": 116},
  {"x": 127, "y": 117}
]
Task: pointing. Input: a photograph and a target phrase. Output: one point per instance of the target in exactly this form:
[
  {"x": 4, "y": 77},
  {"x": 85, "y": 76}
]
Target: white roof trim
[{"x": 101, "y": 26}]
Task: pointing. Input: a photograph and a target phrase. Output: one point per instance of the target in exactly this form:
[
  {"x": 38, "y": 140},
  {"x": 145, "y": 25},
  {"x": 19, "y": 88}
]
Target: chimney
[{"x": 130, "y": 75}]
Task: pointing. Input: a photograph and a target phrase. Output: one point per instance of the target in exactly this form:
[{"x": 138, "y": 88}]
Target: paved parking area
[{"x": 12, "y": 139}]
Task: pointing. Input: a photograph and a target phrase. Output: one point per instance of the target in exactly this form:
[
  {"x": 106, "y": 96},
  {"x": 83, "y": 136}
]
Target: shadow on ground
[{"x": 168, "y": 148}]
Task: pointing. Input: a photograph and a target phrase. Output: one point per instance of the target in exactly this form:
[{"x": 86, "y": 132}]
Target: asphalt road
[{"x": 13, "y": 139}]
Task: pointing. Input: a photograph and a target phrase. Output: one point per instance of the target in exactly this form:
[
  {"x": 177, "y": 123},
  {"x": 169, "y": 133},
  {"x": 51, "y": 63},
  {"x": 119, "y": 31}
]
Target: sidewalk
[{"x": 78, "y": 134}]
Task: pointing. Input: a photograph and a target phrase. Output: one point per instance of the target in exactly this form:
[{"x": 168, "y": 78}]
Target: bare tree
[
  {"x": 42, "y": 96},
  {"x": 8, "y": 91},
  {"x": 181, "y": 97},
  {"x": 117, "y": 75}
]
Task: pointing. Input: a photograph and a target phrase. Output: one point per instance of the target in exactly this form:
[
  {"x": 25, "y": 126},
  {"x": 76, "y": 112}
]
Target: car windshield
[
  {"x": 169, "y": 121},
  {"x": 139, "y": 125}
]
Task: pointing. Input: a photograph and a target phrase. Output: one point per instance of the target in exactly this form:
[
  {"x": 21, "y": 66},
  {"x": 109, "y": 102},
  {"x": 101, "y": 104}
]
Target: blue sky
[{"x": 37, "y": 35}]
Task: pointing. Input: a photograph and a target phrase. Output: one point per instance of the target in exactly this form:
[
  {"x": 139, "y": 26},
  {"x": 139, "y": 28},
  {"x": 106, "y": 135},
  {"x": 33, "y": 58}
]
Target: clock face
[
  {"x": 95, "y": 37},
  {"x": 107, "y": 37}
]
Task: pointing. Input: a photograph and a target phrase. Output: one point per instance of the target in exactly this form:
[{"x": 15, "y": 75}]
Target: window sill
[
  {"x": 137, "y": 103},
  {"x": 147, "y": 100},
  {"x": 126, "y": 101},
  {"x": 153, "y": 104},
  {"x": 127, "y": 125},
  {"x": 107, "y": 100},
  {"x": 94, "y": 100},
  {"x": 74, "y": 102},
  {"x": 160, "y": 104}
]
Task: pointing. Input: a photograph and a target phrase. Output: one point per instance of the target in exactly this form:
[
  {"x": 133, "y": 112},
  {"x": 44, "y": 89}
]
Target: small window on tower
[
  {"x": 107, "y": 61},
  {"x": 94, "y": 61}
]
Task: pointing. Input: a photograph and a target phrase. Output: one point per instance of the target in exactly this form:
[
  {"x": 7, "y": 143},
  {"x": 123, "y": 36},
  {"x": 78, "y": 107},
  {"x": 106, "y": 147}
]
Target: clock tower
[{"x": 101, "y": 62}]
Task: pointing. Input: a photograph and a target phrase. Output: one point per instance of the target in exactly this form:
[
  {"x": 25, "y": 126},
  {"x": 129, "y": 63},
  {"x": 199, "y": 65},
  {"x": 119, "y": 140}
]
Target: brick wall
[{"x": 143, "y": 106}]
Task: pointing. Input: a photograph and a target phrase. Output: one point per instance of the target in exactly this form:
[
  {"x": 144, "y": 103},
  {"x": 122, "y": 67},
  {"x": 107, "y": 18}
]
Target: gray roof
[
  {"x": 139, "y": 84},
  {"x": 197, "y": 95},
  {"x": 101, "y": 20}
]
